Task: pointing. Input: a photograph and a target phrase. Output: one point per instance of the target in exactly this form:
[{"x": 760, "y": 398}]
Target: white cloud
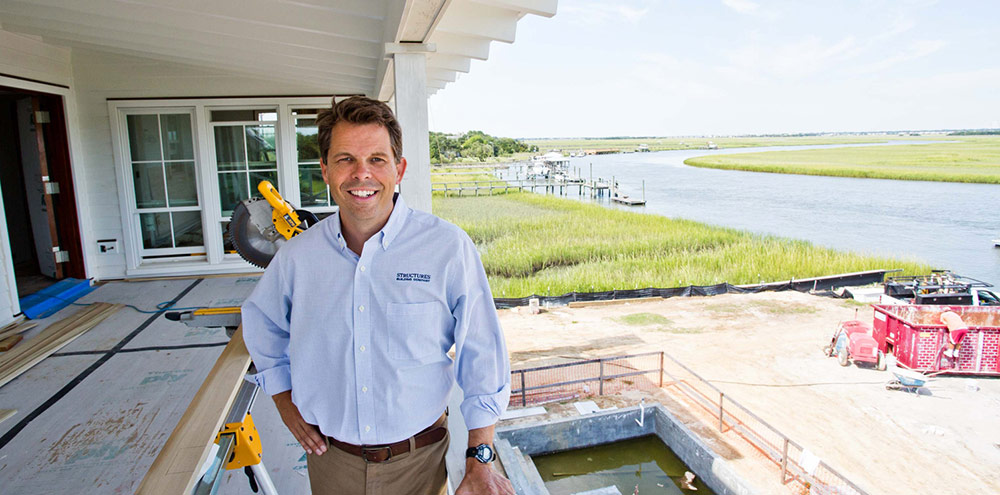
[
  {"x": 595, "y": 13},
  {"x": 742, "y": 6},
  {"x": 917, "y": 50}
]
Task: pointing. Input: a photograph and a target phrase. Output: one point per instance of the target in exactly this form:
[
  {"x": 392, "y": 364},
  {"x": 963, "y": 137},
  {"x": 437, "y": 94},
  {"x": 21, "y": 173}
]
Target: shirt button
[
  {"x": 361, "y": 308},
  {"x": 362, "y": 348},
  {"x": 362, "y": 268},
  {"x": 368, "y": 428},
  {"x": 364, "y": 389}
]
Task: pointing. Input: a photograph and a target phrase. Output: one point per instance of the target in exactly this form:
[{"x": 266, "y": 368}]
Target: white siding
[
  {"x": 99, "y": 76},
  {"x": 27, "y": 57}
]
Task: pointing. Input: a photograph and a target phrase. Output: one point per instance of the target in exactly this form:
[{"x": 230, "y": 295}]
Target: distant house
[{"x": 129, "y": 130}]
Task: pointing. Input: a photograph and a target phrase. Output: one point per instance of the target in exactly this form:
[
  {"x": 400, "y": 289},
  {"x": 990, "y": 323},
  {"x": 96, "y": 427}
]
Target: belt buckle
[{"x": 365, "y": 451}]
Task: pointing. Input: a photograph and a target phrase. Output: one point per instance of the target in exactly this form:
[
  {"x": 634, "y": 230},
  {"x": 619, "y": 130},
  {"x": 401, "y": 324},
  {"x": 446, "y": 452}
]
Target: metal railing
[
  {"x": 586, "y": 378},
  {"x": 646, "y": 371},
  {"x": 811, "y": 474}
]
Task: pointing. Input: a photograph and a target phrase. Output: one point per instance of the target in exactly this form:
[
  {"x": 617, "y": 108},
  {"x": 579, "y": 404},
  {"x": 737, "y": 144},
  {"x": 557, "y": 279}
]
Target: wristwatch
[{"x": 483, "y": 453}]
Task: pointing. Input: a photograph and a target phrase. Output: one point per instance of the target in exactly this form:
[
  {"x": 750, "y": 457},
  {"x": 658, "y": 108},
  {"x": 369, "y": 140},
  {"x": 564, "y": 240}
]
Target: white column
[{"x": 410, "y": 77}]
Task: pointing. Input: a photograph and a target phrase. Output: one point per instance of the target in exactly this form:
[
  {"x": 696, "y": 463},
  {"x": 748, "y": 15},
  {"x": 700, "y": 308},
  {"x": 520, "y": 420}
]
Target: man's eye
[{"x": 345, "y": 159}]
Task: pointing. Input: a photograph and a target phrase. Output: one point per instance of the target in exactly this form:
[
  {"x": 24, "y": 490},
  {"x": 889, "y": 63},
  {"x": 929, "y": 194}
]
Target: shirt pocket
[{"x": 415, "y": 331}]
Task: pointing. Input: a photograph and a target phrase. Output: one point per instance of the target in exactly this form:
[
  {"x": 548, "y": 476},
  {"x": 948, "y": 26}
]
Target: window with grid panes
[
  {"x": 313, "y": 191},
  {"x": 246, "y": 153},
  {"x": 164, "y": 183}
]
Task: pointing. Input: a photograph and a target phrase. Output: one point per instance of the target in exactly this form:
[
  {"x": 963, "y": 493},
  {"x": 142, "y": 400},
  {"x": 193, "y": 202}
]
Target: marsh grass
[
  {"x": 675, "y": 143},
  {"x": 534, "y": 244},
  {"x": 975, "y": 160}
]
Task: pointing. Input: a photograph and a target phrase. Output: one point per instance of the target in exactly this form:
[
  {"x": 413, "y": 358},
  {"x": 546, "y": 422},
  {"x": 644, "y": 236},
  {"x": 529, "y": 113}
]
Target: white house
[{"x": 129, "y": 129}]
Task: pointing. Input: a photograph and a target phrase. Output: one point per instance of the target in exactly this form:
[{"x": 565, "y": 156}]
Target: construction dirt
[{"x": 765, "y": 351}]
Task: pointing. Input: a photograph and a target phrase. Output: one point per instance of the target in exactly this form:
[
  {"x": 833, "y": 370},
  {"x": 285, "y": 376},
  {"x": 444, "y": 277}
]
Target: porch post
[{"x": 410, "y": 78}]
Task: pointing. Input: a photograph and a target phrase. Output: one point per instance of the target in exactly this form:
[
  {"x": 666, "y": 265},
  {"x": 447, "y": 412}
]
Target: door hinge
[
  {"x": 51, "y": 188},
  {"x": 41, "y": 117},
  {"x": 61, "y": 256}
]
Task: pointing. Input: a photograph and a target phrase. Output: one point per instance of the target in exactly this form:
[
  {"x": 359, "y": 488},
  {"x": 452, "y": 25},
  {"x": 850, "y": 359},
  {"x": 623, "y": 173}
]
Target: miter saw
[{"x": 260, "y": 226}]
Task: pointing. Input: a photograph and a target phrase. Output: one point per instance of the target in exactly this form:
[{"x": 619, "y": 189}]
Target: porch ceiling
[{"x": 337, "y": 45}]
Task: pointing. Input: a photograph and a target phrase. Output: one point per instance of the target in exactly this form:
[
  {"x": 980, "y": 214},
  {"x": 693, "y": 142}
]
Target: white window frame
[
  {"x": 214, "y": 260},
  {"x": 294, "y": 156}
]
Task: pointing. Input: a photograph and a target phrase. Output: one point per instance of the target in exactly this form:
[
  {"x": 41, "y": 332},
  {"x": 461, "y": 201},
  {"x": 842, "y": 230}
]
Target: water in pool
[{"x": 645, "y": 462}]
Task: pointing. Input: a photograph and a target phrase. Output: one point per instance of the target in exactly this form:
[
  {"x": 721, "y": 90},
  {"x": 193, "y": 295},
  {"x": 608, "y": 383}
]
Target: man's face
[{"x": 362, "y": 174}]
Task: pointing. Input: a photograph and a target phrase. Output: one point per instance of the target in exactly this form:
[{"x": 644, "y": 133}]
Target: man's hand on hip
[
  {"x": 308, "y": 435},
  {"x": 482, "y": 479}
]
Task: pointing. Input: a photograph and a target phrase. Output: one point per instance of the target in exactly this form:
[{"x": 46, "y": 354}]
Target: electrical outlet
[{"x": 107, "y": 246}]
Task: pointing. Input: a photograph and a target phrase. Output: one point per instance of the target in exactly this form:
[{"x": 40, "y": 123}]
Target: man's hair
[{"x": 359, "y": 110}]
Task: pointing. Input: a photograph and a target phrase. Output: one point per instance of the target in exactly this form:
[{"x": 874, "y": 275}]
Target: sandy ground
[{"x": 764, "y": 351}]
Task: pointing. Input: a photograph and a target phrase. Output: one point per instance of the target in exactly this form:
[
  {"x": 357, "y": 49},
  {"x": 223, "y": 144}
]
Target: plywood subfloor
[{"x": 91, "y": 420}]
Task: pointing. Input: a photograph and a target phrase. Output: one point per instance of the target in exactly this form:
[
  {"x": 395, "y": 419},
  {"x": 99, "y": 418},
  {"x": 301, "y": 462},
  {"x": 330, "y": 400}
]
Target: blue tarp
[{"x": 51, "y": 299}]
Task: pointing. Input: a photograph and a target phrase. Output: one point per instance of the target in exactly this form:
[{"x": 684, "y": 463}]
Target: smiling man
[{"x": 351, "y": 324}]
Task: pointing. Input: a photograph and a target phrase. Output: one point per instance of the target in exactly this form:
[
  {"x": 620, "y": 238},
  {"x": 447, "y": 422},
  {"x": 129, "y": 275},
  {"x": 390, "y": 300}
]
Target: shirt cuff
[
  {"x": 480, "y": 411},
  {"x": 273, "y": 380}
]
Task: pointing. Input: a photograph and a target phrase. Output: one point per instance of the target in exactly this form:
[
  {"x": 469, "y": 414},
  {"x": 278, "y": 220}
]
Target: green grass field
[
  {"x": 533, "y": 244},
  {"x": 972, "y": 159},
  {"x": 674, "y": 143}
]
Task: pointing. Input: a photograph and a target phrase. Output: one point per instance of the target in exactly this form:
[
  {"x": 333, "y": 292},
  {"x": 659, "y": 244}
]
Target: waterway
[{"x": 947, "y": 225}]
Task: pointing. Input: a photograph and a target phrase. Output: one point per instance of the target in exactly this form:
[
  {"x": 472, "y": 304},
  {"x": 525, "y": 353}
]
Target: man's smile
[{"x": 362, "y": 193}]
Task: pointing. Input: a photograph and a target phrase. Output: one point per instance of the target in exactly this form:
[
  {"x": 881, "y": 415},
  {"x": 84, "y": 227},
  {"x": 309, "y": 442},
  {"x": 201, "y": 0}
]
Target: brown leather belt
[{"x": 381, "y": 453}]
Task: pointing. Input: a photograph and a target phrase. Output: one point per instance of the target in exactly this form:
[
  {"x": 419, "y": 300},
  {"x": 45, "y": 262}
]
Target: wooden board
[
  {"x": 16, "y": 329},
  {"x": 6, "y": 413},
  {"x": 175, "y": 468},
  {"x": 9, "y": 342},
  {"x": 53, "y": 338}
]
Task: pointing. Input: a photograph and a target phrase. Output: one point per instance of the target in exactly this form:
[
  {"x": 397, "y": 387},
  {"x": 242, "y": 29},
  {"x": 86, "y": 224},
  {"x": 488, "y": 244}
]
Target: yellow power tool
[{"x": 260, "y": 226}]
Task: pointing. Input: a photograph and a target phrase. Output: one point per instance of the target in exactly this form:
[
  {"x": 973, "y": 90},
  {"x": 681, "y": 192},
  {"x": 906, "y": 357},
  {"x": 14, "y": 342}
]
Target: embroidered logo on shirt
[{"x": 413, "y": 277}]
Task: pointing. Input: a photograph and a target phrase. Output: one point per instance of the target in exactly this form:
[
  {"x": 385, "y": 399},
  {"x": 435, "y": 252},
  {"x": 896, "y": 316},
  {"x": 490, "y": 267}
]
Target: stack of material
[
  {"x": 10, "y": 335},
  {"x": 53, "y": 338}
]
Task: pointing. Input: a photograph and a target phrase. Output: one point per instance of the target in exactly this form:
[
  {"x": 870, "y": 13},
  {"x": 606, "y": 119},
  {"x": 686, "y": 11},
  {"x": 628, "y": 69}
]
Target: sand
[{"x": 764, "y": 351}]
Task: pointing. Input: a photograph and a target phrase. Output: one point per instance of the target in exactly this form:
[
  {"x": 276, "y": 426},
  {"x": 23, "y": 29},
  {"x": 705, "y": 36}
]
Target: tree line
[{"x": 473, "y": 144}]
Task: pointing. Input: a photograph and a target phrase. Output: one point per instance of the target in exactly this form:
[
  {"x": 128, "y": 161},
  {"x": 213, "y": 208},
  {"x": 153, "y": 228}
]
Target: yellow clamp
[{"x": 247, "y": 449}]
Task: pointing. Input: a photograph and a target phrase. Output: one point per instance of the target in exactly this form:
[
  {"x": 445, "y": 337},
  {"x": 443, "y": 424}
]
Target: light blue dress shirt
[{"x": 362, "y": 342}]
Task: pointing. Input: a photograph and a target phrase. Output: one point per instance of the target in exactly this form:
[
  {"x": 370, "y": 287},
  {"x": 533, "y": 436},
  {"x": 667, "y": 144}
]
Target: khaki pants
[{"x": 419, "y": 472}]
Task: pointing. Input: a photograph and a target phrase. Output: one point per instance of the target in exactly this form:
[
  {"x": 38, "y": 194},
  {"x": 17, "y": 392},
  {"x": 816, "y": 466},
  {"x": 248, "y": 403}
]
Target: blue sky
[{"x": 719, "y": 67}]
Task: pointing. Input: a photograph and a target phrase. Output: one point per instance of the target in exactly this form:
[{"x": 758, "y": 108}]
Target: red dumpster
[{"x": 915, "y": 335}]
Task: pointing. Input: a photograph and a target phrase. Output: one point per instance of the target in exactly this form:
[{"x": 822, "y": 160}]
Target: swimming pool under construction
[{"x": 644, "y": 448}]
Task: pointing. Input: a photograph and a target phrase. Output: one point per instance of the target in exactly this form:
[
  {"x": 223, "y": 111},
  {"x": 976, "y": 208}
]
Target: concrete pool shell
[{"x": 516, "y": 444}]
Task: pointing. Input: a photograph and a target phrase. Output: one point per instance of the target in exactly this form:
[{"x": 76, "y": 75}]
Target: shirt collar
[
  {"x": 389, "y": 232},
  {"x": 395, "y": 223}
]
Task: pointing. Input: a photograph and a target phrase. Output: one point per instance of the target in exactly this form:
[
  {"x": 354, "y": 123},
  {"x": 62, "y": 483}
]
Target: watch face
[{"x": 484, "y": 453}]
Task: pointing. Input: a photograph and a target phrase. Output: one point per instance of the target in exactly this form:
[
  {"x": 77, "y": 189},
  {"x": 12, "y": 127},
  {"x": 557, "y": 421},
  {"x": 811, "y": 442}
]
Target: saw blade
[{"x": 251, "y": 243}]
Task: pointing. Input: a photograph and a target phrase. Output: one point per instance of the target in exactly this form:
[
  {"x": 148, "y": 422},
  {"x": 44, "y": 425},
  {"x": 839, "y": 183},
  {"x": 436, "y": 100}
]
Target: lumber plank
[
  {"x": 175, "y": 468},
  {"x": 6, "y": 414},
  {"x": 53, "y": 338},
  {"x": 9, "y": 342},
  {"x": 17, "y": 329}
]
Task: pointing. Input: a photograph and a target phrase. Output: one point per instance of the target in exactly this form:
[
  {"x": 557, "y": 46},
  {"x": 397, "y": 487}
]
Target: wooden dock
[
  {"x": 489, "y": 187},
  {"x": 625, "y": 200}
]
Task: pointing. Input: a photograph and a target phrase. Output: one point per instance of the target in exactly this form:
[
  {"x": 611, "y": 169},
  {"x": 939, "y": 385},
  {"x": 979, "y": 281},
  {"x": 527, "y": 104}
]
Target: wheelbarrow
[{"x": 909, "y": 381}]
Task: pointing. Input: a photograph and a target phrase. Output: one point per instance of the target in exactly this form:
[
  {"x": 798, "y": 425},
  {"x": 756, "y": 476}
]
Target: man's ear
[{"x": 400, "y": 170}]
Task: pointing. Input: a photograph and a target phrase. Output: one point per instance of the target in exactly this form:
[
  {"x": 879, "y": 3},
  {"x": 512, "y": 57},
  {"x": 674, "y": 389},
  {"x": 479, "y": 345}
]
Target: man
[{"x": 351, "y": 323}]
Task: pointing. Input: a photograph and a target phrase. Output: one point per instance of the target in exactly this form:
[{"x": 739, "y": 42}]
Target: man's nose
[{"x": 362, "y": 170}]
